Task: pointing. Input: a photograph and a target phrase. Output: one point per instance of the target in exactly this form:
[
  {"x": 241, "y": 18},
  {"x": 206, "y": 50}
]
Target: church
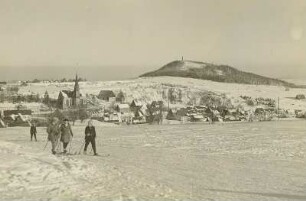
[{"x": 71, "y": 99}]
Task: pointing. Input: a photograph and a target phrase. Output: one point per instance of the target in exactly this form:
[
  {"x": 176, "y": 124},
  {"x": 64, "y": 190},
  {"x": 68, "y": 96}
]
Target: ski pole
[
  {"x": 81, "y": 148},
  {"x": 91, "y": 149},
  {"x": 70, "y": 145},
  {"x": 46, "y": 145},
  {"x": 58, "y": 146}
]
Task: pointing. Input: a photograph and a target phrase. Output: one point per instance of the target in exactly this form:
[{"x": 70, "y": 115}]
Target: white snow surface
[
  {"x": 190, "y": 65},
  {"x": 226, "y": 162}
]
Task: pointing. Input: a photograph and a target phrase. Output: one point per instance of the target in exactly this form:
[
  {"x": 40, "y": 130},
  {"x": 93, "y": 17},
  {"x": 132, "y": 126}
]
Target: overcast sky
[{"x": 105, "y": 40}]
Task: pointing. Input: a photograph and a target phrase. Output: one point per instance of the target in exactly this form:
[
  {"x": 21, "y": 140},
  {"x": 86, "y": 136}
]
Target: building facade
[{"x": 71, "y": 99}]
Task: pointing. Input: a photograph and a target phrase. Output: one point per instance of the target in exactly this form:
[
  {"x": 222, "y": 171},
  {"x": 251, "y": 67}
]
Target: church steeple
[
  {"x": 76, "y": 83},
  {"x": 76, "y": 92}
]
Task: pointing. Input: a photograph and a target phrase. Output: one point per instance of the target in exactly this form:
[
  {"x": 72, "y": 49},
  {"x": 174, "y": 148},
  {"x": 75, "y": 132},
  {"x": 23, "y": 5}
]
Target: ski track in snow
[{"x": 243, "y": 161}]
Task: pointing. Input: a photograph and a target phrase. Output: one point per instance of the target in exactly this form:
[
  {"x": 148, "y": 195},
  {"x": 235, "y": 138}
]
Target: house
[
  {"x": 17, "y": 119},
  {"x": 144, "y": 110},
  {"x": 178, "y": 114},
  {"x": 139, "y": 117},
  {"x": 216, "y": 115},
  {"x": 140, "y": 111},
  {"x": 136, "y": 105},
  {"x": 300, "y": 96},
  {"x": 139, "y": 114},
  {"x": 232, "y": 112},
  {"x": 107, "y": 95},
  {"x": 2, "y": 88},
  {"x": 123, "y": 108},
  {"x": 300, "y": 114},
  {"x": 138, "y": 108},
  {"x": 64, "y": 100},
  {"x": 124, "y": 113},
  {"x": 182, "y": 113},
  {"x": 200, "y": 108},
  {"x": 171, "y": 115},
  {"x": 112, "y": 117},
  {"x": 197, "y": 118}
]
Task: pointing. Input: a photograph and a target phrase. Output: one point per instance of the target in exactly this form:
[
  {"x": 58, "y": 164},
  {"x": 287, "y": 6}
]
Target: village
[
  {"x": 153, "y": 100},
  {"x": 112, "y": 107}
]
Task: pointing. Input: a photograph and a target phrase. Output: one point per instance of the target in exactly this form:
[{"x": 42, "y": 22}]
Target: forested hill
[{"x": 218, "y": 73}]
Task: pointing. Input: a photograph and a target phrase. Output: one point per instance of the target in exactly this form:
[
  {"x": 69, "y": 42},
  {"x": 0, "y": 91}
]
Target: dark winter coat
[
  {"x": 66, "y": 133},
  {"x": 90, "y": 133},
  {"x": 53, "y": 132},
  {"x": 33, "y": 130}
]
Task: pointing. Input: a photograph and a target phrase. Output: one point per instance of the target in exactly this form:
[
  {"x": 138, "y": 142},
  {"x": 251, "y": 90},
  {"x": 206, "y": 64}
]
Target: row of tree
[
  {"x": 55, "y": 80},
  {"x": 19, "y": 98},
  {"x": 71, "y": 114}
]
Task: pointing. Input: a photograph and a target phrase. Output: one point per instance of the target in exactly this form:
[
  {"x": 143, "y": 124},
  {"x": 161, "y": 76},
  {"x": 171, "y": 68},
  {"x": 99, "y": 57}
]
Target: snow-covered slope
[
  {"x": 232, "y": 162},
  {"x": 155, "y": 88}
]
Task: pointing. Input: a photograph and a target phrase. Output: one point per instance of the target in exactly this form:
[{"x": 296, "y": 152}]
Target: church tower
[{"x": 76, "y": 96}]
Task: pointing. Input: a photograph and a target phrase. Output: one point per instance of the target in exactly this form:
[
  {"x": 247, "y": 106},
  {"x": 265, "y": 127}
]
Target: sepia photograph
[{"x": 144, "y": 100}]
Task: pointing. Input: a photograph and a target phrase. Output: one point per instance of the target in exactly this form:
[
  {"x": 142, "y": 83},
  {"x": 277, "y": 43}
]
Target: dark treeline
[
  {"x": 18, "y": 98},
  {"x": 55, "y": 80}
]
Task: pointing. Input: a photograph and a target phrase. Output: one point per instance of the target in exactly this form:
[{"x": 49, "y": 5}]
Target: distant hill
[{"x": 218, "y": 73}]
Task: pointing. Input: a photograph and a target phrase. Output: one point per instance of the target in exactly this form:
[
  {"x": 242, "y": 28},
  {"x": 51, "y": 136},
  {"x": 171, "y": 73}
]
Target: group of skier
[{"x": 62, "y": 132}]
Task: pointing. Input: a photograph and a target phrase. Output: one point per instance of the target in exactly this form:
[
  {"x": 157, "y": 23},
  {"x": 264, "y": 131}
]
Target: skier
[
  {"x": 66, "y": 134},
  {"x": 90, "y": 137},
  {"x": 53, "y": 133},
  {"x": 33, "y": 131}
]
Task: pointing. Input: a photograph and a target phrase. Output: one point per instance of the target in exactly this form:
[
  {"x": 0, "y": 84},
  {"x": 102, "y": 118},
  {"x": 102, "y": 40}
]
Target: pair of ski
[
  {"x": 74, "y": 153},
  {"x": 78, "y": 153}
]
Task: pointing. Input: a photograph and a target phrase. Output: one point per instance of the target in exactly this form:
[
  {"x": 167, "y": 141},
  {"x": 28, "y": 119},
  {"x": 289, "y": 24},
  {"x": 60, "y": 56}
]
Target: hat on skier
[{"x": 66, "y": 119}]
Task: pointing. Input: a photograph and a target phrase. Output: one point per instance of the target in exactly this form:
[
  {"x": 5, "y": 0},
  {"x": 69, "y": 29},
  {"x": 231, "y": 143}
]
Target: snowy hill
[{"x": 219, "y": 73}]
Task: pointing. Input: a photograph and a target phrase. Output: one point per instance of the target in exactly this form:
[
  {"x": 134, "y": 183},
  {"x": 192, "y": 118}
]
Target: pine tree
[
  {"x": 120, "y": 97},
  {"x": 180, "y": 95},
  {"x": 46, "y": 98}
]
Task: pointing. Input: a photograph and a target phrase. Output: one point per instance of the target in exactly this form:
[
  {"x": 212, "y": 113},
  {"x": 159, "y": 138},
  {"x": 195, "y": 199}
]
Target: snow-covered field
[
  {"x": 238, "y": 161},
  {"x": 149, "y": 89}
]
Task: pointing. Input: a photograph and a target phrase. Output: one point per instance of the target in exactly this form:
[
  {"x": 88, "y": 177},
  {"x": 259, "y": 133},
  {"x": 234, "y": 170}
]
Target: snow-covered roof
[
  {"x": 138, "y": 103},
  {"x": 197, "y": 116},
  {"x": 123, "y": 106},
  {"x": 144, "y": 107},
  {"x": 106, "y": 94},
  {"x": 64, "y": 94}
]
